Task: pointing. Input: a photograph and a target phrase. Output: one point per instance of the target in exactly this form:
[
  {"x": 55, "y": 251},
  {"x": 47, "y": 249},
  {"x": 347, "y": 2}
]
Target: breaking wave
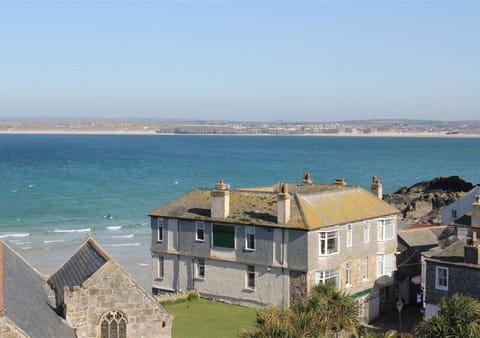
[{"x": 15, "y": 234}]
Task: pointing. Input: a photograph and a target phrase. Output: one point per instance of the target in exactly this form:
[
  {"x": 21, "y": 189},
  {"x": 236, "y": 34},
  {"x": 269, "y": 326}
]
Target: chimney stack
[
  {"x": 339, "y": 181},
  {"x": 220, "y": 199},
  {"x": 307, "y": 177},
  {"x": 377, "y": 188},
  {"x": 476, "y": 212},
  {"x": 471, "y": 253},
  {"x": 283, "y": 204}
]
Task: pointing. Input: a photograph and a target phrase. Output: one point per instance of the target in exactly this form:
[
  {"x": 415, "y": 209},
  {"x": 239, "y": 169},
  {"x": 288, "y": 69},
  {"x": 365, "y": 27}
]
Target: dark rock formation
[{"x": 422, "y": 202}]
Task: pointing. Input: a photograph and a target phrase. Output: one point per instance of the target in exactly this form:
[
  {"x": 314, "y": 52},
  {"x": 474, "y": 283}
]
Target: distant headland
[{"x": 393, "y": 128}]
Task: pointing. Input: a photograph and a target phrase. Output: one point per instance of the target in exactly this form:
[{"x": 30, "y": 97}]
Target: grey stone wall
[
  {"x": 8, "y": 329},
  {"x": 297, "y": 249},
  {"x": 461, "y": 279},
  {"x": 171, "y": 267},
  {"x": 112, "y": 289},
  {"x": 227, "y": 281},
  {"x": 298, "y": 285}
]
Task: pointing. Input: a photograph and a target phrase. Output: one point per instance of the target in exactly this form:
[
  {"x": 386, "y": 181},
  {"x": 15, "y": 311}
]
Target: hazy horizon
[{"x": 256, "y": 61}]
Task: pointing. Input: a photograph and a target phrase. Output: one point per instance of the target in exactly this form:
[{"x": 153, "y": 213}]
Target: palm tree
[
  {"x": 458, "y": 316},
  {"x": 323, "y": 313}
]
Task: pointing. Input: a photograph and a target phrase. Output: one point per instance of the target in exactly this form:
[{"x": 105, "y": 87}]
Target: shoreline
[{"x": 152, "y": 132}]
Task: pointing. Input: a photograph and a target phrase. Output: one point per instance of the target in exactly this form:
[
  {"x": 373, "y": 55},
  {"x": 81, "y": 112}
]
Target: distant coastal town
[{"x": 340, "y": 128}]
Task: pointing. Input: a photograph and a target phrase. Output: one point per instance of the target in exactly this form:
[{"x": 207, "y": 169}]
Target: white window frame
[
  {"x": 160, "y": 230},
  {"x": 441, "y": 282},
  {"x": 349, "y": 235},
  {"x": 365, "y": 268},
  {"x": 383, "y": 261},
  {"x": 366, "y": 232},
  {"x": 249, "y": 231},
  {"x": 361, "y": 307},
  {"x": 385, "y": 233},
  {"x": 326, "y": 237},
  {"x": 348, "y": 274},
  {"x": 250, "y": 276},
  {"x": 323, "y": 276},
  {"x": 380, "y": 263},
  {"x": 160, "y": 267},
  {"x": 199, "y": 226},
  {"x": 200, "y": 265}
]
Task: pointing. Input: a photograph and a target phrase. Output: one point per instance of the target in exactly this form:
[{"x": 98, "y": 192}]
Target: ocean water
[{"x": 56, "y": 188}]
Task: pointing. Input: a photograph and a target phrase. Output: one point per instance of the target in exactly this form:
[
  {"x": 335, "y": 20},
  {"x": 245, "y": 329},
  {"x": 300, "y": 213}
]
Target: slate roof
[
  {"x": 422, "y": 238},
  {"x": 465, "y": 220},
  {"x": 86, "y": 260},
  {"x": 452, "y": 254},
  {"x": 313, "y": 206},
  {"x": 24, "y": 300}
]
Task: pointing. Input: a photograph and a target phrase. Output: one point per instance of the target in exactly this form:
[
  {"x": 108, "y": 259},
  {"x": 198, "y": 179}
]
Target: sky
[{"x": 240, "y": 60}]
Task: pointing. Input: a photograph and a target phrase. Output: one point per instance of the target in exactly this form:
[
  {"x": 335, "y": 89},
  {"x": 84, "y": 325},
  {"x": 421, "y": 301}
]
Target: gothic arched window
[{"x": 113, "y": 325}]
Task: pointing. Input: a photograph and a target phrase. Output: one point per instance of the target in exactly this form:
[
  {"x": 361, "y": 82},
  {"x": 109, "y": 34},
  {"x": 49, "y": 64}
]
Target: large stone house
[
  {"x": 269, "y": 245},
  {"x": 90, "y": 295}
]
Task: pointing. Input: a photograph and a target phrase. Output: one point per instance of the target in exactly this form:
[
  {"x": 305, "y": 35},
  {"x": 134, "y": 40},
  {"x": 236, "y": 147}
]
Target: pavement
[{"x": 410, "y": 317}]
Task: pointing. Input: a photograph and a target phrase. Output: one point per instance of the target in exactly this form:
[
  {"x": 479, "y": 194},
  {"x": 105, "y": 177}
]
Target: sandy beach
[
  {"x": 153, "y": 132},
  {"x": 369, "y": 128}
]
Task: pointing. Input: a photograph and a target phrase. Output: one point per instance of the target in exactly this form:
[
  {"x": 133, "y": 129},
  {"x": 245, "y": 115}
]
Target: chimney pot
[
  {"x": 307, "y": 177},
  {"x": 377, "y": 187},
  {"x": 471, "y": 254},
  {"x": 284, "y": 188}
]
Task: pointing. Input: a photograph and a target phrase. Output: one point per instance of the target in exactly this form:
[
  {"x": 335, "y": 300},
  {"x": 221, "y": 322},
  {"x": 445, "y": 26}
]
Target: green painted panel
[
  {"x": 224, "y": 236},
  {"x": 361, "y": 293}
]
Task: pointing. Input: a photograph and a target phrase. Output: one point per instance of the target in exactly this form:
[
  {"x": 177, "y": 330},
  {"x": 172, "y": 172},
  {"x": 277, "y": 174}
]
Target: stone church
[{"x": 90, "y": 295}]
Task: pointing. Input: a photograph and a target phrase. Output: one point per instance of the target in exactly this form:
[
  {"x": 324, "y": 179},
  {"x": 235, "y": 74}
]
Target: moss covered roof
[{"x": 312, "y": 206}]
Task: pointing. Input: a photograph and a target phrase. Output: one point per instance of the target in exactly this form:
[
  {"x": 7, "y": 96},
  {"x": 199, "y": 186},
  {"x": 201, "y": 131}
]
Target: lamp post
[{"x": 399, "y": 308}]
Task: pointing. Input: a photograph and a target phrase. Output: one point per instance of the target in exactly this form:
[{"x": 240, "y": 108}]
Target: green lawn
[{"x": 207, "y": 319}]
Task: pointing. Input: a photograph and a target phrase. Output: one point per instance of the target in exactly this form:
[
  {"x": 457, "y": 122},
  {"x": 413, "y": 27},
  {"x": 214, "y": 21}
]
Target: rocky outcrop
[{"x": 423, "y": 201}]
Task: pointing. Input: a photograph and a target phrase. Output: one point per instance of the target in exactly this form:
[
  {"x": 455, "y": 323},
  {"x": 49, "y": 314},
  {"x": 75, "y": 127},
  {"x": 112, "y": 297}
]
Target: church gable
[
  {"x": 86, "y": 260},
  {"x": 112, "y": 299}
]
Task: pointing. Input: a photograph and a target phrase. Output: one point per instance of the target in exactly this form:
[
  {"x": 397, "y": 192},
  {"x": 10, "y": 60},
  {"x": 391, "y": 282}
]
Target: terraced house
[{"x": 270, "y": 245}]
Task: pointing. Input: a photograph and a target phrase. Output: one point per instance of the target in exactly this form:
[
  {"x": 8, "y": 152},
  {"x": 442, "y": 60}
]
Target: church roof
[
  {"x": 313, "y": 206},
  {"x": 84, "y": 262},
  {"x": 23, "y": 298}
]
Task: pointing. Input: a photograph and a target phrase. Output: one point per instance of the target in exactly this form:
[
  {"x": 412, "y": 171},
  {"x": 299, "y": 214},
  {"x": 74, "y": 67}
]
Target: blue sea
[{"x": 56, "y": 188}]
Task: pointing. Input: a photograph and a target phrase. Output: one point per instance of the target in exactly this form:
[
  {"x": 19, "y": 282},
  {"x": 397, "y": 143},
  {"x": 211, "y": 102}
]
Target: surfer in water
[{"x": 109, "y": 216}]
